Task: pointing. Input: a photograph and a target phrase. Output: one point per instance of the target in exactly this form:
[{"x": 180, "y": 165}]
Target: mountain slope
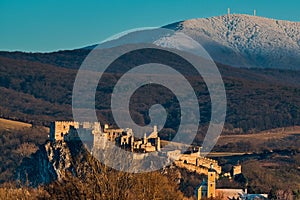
[
  {"x": 70, "y": 59},
  {"x": 257, "y": 99},
  {"x": 246, "y": 41}
]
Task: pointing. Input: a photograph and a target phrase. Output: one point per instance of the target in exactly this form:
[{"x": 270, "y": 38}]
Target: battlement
[{"x": 64, "y": 122}]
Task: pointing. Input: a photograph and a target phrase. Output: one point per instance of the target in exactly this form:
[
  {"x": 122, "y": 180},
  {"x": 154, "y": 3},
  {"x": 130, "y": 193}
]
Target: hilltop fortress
[
  {"x": 93, "y": 133},
  {"x": 97, "y": 136}
]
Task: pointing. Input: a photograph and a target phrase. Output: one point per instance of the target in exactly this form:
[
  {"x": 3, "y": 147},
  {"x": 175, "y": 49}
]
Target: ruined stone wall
[
  {"x": 195, "y": 159},
  {"x": 236, "y": 170},
  {"x": 191, "y": 167},
  {"x": 59, "y": 128}
]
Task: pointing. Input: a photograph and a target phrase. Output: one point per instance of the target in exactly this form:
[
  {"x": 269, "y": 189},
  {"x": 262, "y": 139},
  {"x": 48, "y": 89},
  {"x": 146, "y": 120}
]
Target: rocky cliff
[
  {"x": 67, "y": 171},
  {"x": 51, "y": 162}
]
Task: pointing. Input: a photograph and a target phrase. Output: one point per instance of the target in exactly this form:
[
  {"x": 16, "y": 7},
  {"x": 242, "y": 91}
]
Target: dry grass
[
  {"x": 255, "y": 141},
  {"x": 23, "y": 193},
  {"x": 261, "y": 137},
  {"x": 12, "y": 125}
]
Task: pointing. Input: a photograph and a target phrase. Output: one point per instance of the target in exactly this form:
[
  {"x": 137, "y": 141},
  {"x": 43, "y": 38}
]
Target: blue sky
[{"x": 51, "y": 25}]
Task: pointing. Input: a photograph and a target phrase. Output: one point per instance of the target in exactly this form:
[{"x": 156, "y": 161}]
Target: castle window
[{"x": 61, "y": 134}]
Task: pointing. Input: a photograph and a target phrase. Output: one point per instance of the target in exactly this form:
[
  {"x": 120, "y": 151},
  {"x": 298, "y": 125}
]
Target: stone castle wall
[
  {"x": 59, "y": 129},
  {"x": 191, "y": 167},
  {"x": 198, "y": 161}
]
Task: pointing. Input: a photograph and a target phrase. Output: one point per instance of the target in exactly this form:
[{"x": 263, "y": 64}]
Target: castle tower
[
  {"x": 60, "y": 128},
  {"x": 254, "y": 13},
  {"x": 155, "y": 129},
  {"x": 158, "y": 144},
  {"x": 96, "y": 128},
  {"x": 132, "y": 142},
  {"x": 236, "y": 169},
  {"x": 201, "y": 192},
  {"x": 145, "y": 139},
  {"x": 211, "y": 182},
  {"x": 228, "y": 12},
  {"x": 199, "y": 151}
]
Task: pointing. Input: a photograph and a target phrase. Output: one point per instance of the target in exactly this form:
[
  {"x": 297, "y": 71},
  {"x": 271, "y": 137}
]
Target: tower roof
[
  {"x": 203, "y": 183},
  {"x": 211, "y": 169}
]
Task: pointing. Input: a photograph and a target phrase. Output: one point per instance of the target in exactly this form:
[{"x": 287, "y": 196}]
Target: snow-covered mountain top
[
  {"x": 237, "y": 40},
  {"x": 253, "y": 41},
  {"x": 246, "y": 30}
]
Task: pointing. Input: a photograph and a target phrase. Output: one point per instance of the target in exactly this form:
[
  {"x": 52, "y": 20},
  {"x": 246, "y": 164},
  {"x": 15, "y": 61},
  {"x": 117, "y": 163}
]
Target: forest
[{"x": 37, "y": 88}]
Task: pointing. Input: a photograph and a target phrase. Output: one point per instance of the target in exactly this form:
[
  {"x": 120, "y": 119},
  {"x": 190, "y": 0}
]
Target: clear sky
[{"x": 51, "y": 25}]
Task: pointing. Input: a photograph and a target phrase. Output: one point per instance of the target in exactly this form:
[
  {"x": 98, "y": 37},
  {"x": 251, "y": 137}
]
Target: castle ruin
[{"x": 98, "y": 137}]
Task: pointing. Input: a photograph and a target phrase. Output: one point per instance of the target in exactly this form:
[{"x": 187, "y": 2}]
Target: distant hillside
[
  {"x": 34, "y": 92},
  {"x": 258, "y": 99},
  {"x": 67, "y": 59},
  {"x": 246, "y": 41}
]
